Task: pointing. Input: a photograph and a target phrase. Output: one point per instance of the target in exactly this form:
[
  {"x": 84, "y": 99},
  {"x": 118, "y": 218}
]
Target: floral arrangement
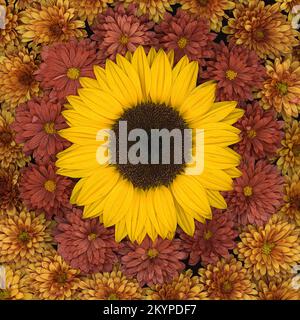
[{"x": 74, "y": 228}]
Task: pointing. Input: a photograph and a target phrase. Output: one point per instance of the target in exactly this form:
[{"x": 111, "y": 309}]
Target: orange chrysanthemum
[
  {"x": 154, "y": 8},
  {"x": 17, "y": 82},
  {"x": 8, "y": 34},
  {"x": 289, "y": 161},
  {"x": 262, "y": 28},
  {"x": 11, "y": 154},
  {"x": 24, "y": 237},
  {"x": 227, "y": 280},
  {"x": 213, "y": 10},
  {"x": 51, "y": 278},
  {"x": 271, "y": 250},
  {"x": 89, "y": 9},
  {"x": 281, "y": 90},
  {"x": 291, "y": 198},
  {"x": 54, "y": 21},
  {"x": 184, "y": 287},
  {"x": 109, "y": 286},
  {"x": 277, "y": 290}
]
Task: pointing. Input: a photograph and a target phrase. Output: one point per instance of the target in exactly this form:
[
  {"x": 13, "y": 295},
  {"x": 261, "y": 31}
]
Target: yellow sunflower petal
[{"x": 216, "y": 200}]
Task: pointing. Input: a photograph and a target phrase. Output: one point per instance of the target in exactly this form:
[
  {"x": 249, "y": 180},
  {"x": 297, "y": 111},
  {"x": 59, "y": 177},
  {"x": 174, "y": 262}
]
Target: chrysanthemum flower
[
  {"x": 23, "y": 237},
  {"x": 15, "y": 286},
  {"x": 45, "y": 191},
  {"x": 211, "y": 240},
  {"x": 237, "y": 70},
  {"x": 155, "y": 8},
  {"x": 109, "y": 286},
  {"x": 51, "y": 278},
  {"x": 8, "y": 34},
  {"x": 281, "y": 90},
  {"x": 118, "y": 30},
  {"x": 214, "y": 10},
  {"x": 153, "y": 262},
  {"x": 227, "y": 280},
  {"x": 85, "y": 244},
  {"x": 277, "y": 290},
  {"x": 289, "y": 161},
  {"x": 186, "y": 35},
  {"x": 9, "y": 193},
  {"x": 184, "y": 287},
  {"x": 288, "y": 5},
  {"x": 291, "y": 198},
  {"x": 145, "y": 198},
  {"x": 36, "y": 126},
  {"x": 53, "y": 21},
  {"x": 262, "y": 28},
  {"x": 64, "y": 63},
  {"x": 260, "y": 133},
  {"x": 88, "y": 9},
  {"x": 270, "y": 250},
  {"x": 11, "y": 153},
  {"x": 257, "y": 194},
  {"x": 17, "y": 83}
]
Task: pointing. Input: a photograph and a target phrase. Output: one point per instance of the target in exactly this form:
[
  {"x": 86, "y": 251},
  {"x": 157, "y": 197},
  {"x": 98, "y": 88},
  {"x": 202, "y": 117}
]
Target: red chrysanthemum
[
  {"x": 85, "y": 244},
  {"x": 37, "y": 124},
  {"x": 153, "y": 262},
  {"x": 257, "y": 194},
  {"x": 43, "y": 190},
  {"x": 211, "y": 240},
  {"x": 260, "y": 133},
  {"x": 64, "y": 63},
  {"x": 118, "y": 30},
  {"x": 237, "y": 70},
  {"x": 186, "y": 35}
]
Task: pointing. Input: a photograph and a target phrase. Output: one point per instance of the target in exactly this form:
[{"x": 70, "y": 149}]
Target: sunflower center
[
  {"x": 231, "y": 75},
  {"x": 112, "y": 296},
  {"x": 267, "y": 248},
  {"x": 124, "y": 39},
  {"x": 50, "y": 128},
  {"x": 4, "y": 294},
  {"x": 148, "y": 173},
  {"x": 24, "y": 236},
  {"x": 251, "y": 133},
  {"x": 5, "y": 137},
  {"x": 61, "y": 278},
  {"x": 248, "y": 191},
  {"x": 26, "y": 79},
  {"x": 226, "y": 287},
  {"x": 50, "y": 185},
  {"x": 152, "y": 253},
  {"x": 182, "y": 42},
  {"x": 73, "y": 73},
  {"x": 207, "y": 235},
  {"x": 92, "y": 236},
  {"x": 282, "y": 88}
]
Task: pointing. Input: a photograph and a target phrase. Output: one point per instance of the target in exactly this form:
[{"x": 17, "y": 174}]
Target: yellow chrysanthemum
[
  {"x": 54, "y": 21},
  {"x": 149, "y": 93},
  {"x": 154, "y": 8},
  {"x": 276, "y": 289},
  {"x": 8, "y": 34},
  {"x": 288, "y": 5},
  {"x": 15, "y": 286},
  {"x": 89, "y": 9},
  {"x": 213, "y": 10}
]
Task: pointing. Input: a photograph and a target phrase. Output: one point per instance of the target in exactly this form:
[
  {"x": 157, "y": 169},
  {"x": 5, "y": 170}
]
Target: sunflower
[
  {"x": 52, "y": 21},
  {"x": 148, "y": 93}
]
